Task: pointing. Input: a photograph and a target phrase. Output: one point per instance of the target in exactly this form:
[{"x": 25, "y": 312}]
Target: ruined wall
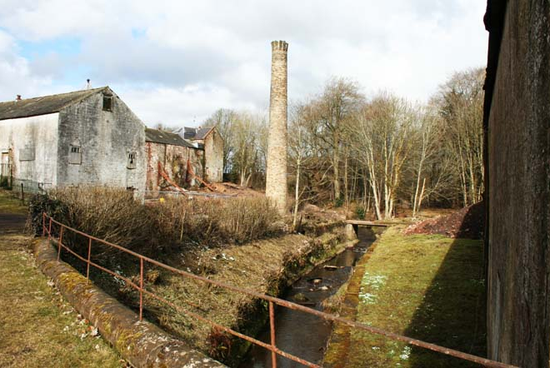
[
  {"x": 518, "y": 184},
  {"x": 32, "y": 146},
  {"x": 106, "y": 139},
  {"x": 174, "y": 161},
  {"x": 213, "y": 157},
  {"x": 276, "y": 173}
]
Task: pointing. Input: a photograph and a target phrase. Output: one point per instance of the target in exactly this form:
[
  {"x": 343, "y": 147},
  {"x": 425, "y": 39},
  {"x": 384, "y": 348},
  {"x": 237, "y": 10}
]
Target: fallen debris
[{"x": 465, "y": 223}]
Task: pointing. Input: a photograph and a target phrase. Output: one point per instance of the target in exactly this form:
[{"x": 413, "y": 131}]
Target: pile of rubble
[{"x": 465, "y": 223}]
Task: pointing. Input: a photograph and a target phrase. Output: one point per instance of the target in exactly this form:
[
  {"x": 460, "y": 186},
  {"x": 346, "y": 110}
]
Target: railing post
[
  {"x": 50, "y": 230},
  {"x": 140, "y": 288},
  {"x": 272, "y": 330},
  {"x": 60, "y": 242},
  {"x": 89, "y": 257},
  {"x": 43, "y": 224}
]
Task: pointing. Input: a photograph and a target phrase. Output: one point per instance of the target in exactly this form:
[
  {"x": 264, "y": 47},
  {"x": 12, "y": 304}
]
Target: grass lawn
[
  {"x": 37, "y": 327},
  {"x": 9, "y": 204},
  {"x": 424, "y": 286}
]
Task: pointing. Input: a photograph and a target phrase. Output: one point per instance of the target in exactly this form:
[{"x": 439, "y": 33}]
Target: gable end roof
[
  {"x": 196, "y": 133},
  {"x": 203, "y": 132},
  {"x": 160, "y": 136},
  {"x": 43, "y": 105}
]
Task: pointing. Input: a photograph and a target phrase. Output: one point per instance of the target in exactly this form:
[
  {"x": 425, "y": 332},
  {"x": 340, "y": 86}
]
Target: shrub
[
  {"x": 106, "y": 213},
  {"x": 234, "y": 220},
  {"x": 40, "y": 203},
  {"x": 360, "y": 212},
  {"x": 114, "y": 215}
]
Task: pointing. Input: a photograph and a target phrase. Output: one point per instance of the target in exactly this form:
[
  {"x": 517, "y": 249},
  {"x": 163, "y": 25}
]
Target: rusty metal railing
[{"x": 48, "y": 222}]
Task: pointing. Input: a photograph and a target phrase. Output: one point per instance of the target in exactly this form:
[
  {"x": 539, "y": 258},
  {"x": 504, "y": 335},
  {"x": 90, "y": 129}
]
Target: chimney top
[
  {"x": 279, "y": 46},
  {"x": 18, "y": 98}
]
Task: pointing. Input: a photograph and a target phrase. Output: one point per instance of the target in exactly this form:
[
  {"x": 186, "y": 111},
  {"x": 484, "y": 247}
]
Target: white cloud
[
  {"x": 179, "y": 107},
  {"x": 15, "y": 75},
  {"x": 206, "y": 54}
]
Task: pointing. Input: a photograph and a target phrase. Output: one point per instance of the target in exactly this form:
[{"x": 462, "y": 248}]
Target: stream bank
[
  {"x": 427, "y": 287},
  {"x": 302, "y": 334},
  {"x": 266, "y": 266}
]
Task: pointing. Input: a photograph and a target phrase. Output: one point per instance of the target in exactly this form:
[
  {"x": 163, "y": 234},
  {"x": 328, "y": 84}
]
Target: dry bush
[
  {"x": 106, "y": 213},
  {"x": 113, "y": 215},
  {"x": 217, "y": 221}
]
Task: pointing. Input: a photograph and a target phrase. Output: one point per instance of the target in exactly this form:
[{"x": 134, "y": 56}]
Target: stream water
[{"x": 301, "y": 334}]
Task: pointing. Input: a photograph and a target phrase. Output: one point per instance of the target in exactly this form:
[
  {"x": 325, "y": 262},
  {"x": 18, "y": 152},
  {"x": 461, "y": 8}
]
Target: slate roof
[
  {"x": 196, "y": 133},
  {"x": 160, "y": 136},
  {"x": 43, "y": 105}
]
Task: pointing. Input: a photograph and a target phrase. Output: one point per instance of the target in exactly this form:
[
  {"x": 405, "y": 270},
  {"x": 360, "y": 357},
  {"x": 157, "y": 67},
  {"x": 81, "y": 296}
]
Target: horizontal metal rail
[{"x": 48, "y": 221}]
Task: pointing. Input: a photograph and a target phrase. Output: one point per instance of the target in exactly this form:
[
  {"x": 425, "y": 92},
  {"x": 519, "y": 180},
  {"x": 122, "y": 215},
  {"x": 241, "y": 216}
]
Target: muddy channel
[{"x": 301, "y": 334}]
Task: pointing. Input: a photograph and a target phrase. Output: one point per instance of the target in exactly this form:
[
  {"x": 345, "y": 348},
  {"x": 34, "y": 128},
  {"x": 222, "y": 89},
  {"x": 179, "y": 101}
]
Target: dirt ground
[
  {"x": 465, "y": 223},
  {"x": 38, "y": 328},
  {"x": 235, "y": 190}
]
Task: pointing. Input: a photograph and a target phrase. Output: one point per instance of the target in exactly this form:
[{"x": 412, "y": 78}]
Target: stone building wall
[
  {"x": 111, "y": 144},
  {"x": 276, "y": 174},
  {"x": 518, "y": 168},
  {"x": 31, "y": 144},
  {"x": 213, "y": 157}
]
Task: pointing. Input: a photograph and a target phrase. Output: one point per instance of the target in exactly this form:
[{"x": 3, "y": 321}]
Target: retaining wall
[{"x": 141, "y": 343}]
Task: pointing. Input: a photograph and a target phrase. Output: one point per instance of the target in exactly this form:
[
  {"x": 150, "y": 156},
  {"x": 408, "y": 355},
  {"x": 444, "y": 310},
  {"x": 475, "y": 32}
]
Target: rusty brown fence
[{"x": 51, "y": 227}]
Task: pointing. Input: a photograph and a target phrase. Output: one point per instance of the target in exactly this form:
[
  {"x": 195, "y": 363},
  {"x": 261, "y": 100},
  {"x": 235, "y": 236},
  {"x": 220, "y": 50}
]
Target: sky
[{"x": 176, "y": 62}]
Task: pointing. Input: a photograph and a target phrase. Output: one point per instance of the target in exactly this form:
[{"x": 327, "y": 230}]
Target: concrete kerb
[{"x": 141, "y": 343}]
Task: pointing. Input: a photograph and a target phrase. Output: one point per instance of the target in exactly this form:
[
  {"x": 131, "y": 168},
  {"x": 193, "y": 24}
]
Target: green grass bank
[{"x": 428, "y": 287}]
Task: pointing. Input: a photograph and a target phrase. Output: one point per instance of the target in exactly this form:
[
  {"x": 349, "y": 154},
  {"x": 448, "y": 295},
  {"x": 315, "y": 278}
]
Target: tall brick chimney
[{"x": 276, "y": 175}]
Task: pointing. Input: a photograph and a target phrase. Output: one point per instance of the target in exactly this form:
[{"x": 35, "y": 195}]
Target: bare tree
[
  {"x": 426, "y": 145},
  {"x": 245, "y": 144},
  {"x": 337, "y": 104},
  {"x": 300, "y": 151},
  {"x": 379, "y": 137},
  {"x": 377, "y": 152},
  {"x": 460, "y": 102}
]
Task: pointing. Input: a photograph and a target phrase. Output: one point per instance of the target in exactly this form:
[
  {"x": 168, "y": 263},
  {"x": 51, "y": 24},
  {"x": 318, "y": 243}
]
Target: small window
[
  {"x": 131, "y": 160},
  {"x": 27, "y": 153},
  {"x": 75, "y": 155},
  {"x": 107, "y": 103}
]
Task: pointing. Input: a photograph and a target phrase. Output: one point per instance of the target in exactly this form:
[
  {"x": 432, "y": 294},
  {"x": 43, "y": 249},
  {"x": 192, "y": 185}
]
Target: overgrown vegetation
[
  {"x": 226, "y": 221},
  {"x": 265, "y": 266},
  {"x": 234, "y": 240},
  {"x": 176, "y": 223},
  {"x": 427, "y": 287}
]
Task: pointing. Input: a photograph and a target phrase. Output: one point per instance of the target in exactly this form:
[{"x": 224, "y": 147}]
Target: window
[
  {"x": 75, "y": 155},
  {"x": 131, "y": 160},
  {"x": 107, "y": 103},
  {"x": 27, "y": 153}
]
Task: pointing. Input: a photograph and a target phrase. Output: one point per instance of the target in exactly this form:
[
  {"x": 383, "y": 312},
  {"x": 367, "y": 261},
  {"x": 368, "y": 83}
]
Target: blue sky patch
[
  {"x": 62, "y": 46},
  {"x": 139, "y": 33}
]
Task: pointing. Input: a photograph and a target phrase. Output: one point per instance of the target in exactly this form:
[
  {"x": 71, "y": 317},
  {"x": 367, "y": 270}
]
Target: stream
[{"x": 305, "y": 335}]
